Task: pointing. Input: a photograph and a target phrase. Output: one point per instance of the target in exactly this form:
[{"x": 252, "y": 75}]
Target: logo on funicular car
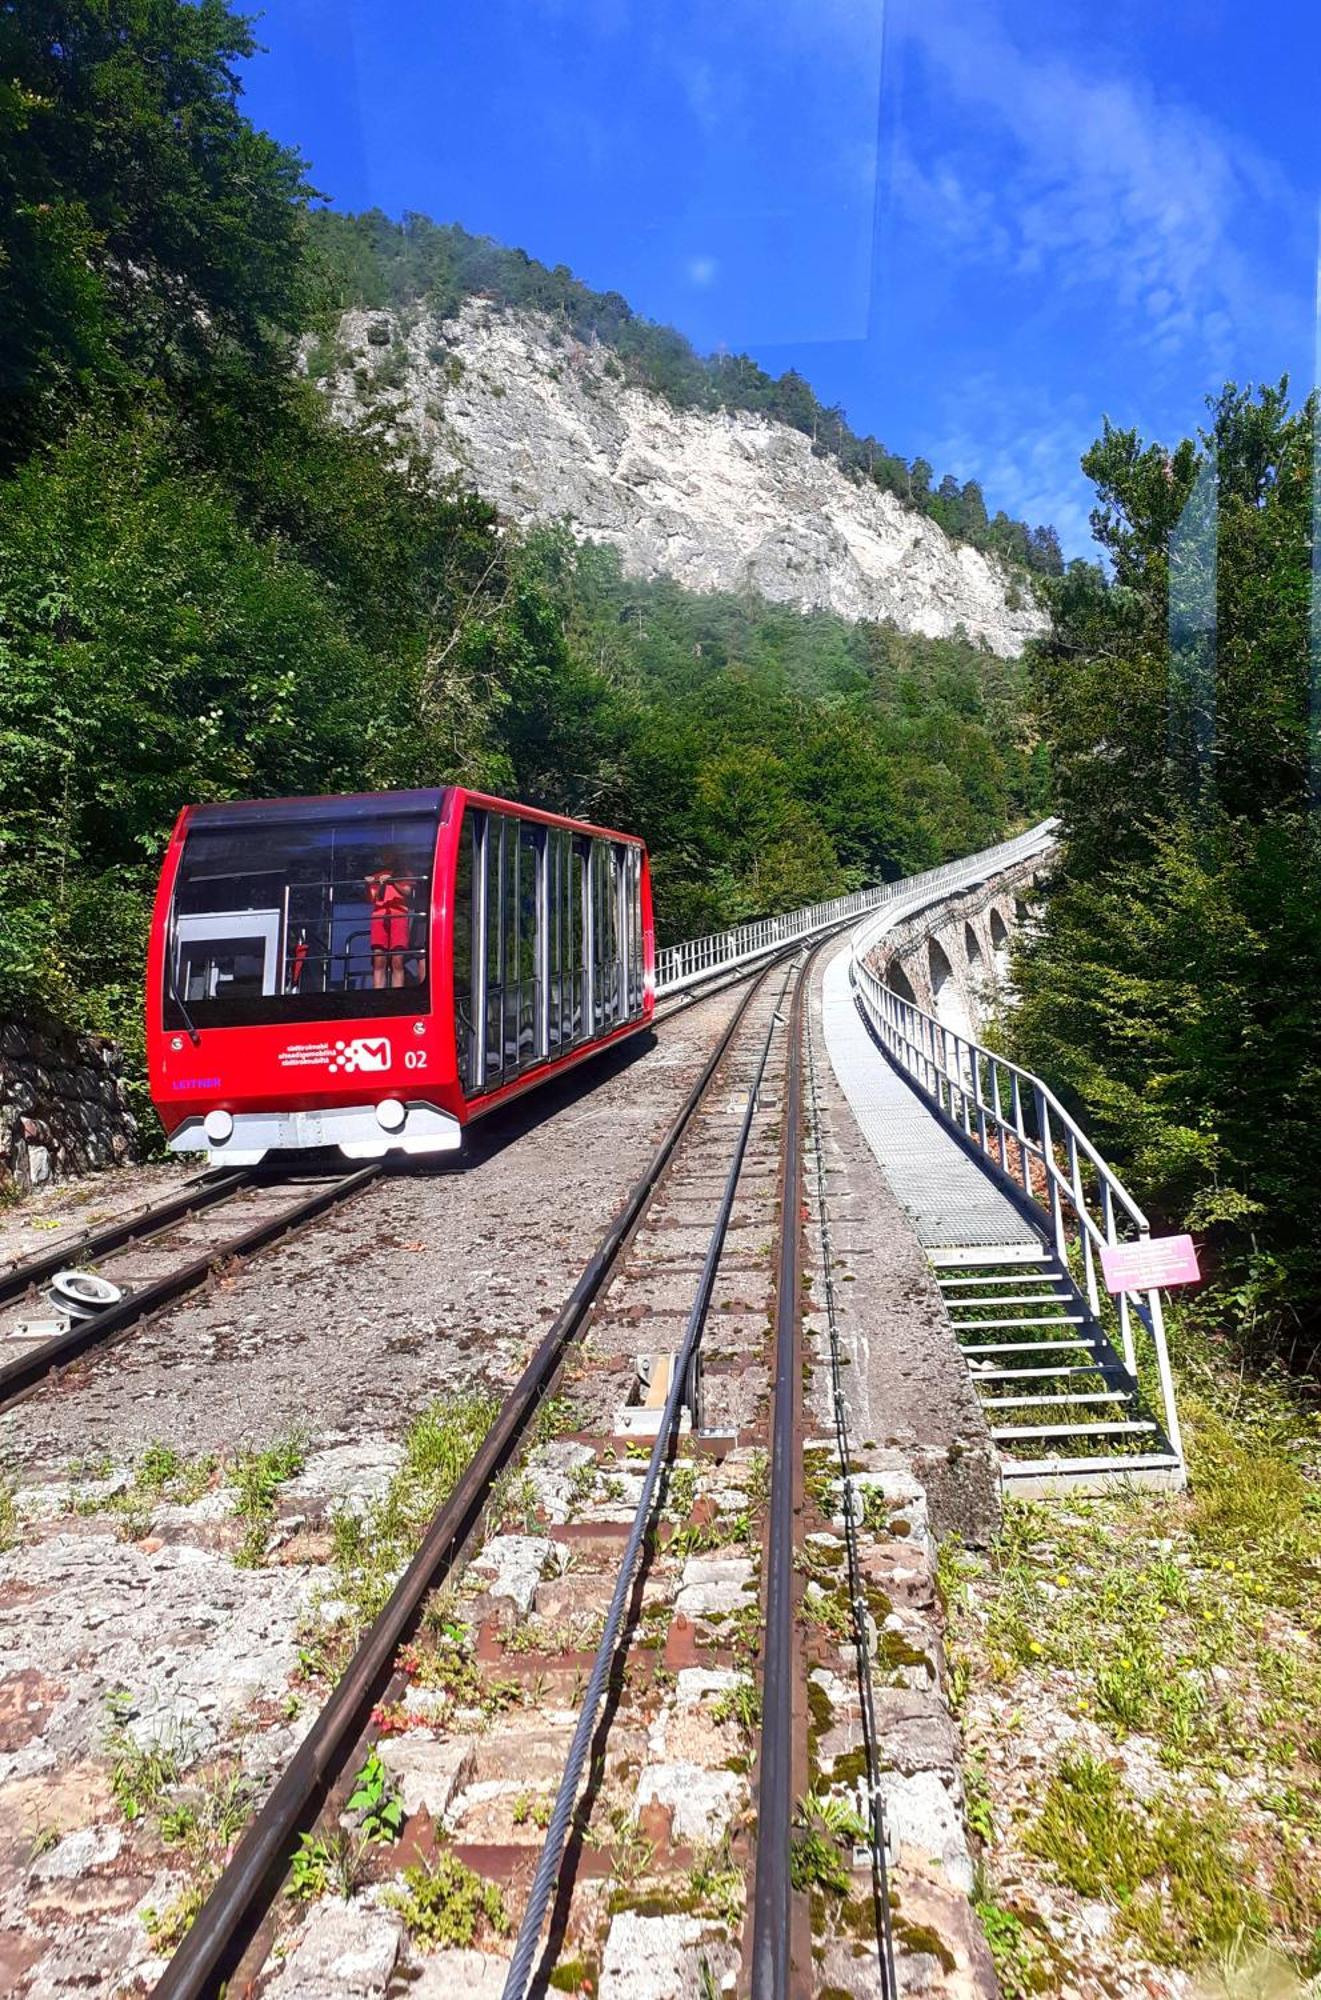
[
  {"x": 362, "y": 1054},
  {"x": 366, "y": 1052}
]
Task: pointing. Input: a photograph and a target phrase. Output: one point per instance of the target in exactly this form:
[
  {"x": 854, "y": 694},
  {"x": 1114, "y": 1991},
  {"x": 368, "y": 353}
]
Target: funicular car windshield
[{"x": 301, "y": 912}]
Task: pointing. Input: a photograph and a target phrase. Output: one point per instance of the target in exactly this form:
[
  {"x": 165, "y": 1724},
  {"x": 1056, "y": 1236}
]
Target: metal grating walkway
[
  {"x": 952, "y": 1203},
  {"x": 1037, "y": 1356}
]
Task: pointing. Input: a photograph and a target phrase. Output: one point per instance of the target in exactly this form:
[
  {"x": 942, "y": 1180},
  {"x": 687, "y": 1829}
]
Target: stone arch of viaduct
[{"x": 953, "y": 960}]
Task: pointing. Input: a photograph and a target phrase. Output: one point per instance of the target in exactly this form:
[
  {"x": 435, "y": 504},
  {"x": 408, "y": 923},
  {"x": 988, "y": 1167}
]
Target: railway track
[
  {"x": 155, "y": 1256},
  {"x": 577, "y": 1715},
  {"x": 159, "y": 1253}
]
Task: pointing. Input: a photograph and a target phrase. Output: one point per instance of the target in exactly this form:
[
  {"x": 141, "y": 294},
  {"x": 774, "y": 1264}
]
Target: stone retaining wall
[{"x": 63, "y": 1106}]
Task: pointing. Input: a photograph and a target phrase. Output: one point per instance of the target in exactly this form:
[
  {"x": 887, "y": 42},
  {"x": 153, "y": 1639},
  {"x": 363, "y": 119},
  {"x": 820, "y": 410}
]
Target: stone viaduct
[{"x": 953, "y": 960}]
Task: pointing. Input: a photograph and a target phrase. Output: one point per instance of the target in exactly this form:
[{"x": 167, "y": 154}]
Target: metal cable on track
[
  {"x": 240, "y": 1899},
  {"x": 544, "y": 1881},
  {"x": 857, "y": 1597}
]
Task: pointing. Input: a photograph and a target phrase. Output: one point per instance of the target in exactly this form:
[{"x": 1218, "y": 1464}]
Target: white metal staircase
[
  {"x": 1060, "y": 1404},
  {"x": 1014, "y": 1206}
]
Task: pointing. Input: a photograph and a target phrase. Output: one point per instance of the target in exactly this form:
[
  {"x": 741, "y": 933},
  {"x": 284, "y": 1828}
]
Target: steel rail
[
  {"x": 889, "y": 1977},
  {"x": 139, "y": 1227},
  {"x": 772, "y": 1897},
  {"x": 17, "y": 1377},
  {"x": 237, "y": 1904},
  {"x": 528, "y": 1942}
]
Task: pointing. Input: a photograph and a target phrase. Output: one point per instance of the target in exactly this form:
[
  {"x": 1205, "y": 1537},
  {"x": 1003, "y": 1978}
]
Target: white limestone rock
[
  {"x": 89, "y": 1847},
  {"x": 662, "y": 1958},
  {"x": 511, "y": 1566},
  {"x": 717, "y": 500},
  {"x": 701, "y": 1803},
  {"x": 694, "y": 1684},
  {"x": 713, "y": 1586},
  {"x": 346, "y": 1949},
  {"x": 429, "y": 1772},
  {"x": 922, "y": 1813},
  {"x": 473, "y": 1975}
]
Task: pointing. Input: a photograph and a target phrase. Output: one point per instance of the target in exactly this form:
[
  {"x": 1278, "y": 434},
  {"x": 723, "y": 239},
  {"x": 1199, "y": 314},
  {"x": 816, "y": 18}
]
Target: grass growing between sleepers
[
  {"x": 1140, "y": 1684},
  {"x": 370, "y": 1548}
]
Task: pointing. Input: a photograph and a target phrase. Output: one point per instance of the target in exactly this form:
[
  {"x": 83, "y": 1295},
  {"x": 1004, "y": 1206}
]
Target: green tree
[
  {"x": 1170, "y": 988},
  {"x": 147, "y": 230}
]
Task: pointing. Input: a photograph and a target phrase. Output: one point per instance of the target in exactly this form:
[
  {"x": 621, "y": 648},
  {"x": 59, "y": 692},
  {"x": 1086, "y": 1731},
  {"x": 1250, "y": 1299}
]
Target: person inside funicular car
[{"x": 390, "y": 894}]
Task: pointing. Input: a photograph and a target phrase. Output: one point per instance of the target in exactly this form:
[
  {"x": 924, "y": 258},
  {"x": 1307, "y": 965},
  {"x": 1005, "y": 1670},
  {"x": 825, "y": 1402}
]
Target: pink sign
[{"x": 1138, "y": 1267}]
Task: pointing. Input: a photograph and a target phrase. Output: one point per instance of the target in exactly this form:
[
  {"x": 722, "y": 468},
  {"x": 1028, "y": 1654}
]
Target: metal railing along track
[
  {"x": 681, "y": 965},
  {"x": 1023, "y": 1138}
]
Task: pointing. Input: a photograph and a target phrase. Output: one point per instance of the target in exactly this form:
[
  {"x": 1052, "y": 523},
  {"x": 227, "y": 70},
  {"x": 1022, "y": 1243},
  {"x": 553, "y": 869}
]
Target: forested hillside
[
  {"x": 1174, "y": 985},
  {"x": 207, "y": 589}
]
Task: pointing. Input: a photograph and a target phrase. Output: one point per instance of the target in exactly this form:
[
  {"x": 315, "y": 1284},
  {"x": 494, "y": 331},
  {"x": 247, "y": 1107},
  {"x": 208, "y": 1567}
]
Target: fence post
[
  {"x": 1052, "y": 1172},
  {"x": 1163, "y": 1371}
]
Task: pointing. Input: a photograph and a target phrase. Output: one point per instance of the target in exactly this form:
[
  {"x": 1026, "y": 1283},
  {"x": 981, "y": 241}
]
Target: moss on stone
[
  {"x": 893, "y": 1651},
  {"x": 572, "y": 1974},
  {"x": 821, "y": 1710},
  {"x": 857, "y": 1916},
  {"x": 921, "y": 1940},
  {"x": 849, "y": 1767},
  {"x": 655, "y": 1903}
]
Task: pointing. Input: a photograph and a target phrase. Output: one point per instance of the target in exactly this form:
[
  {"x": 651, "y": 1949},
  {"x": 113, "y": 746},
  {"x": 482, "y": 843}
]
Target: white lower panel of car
[{"x": 354, "y": 1128}]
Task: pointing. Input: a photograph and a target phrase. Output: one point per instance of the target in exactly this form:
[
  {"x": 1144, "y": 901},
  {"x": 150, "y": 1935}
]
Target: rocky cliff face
[{"x": 546, "y": 428}]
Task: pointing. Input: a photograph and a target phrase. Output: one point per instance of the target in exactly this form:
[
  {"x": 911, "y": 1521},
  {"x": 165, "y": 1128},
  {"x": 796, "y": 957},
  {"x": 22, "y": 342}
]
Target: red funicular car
[{"x": 372, "y": 972}]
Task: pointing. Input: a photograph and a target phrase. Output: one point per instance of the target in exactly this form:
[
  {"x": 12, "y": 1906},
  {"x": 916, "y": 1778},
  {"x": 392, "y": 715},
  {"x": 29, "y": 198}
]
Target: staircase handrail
[{"x": 985, "y": 1097}]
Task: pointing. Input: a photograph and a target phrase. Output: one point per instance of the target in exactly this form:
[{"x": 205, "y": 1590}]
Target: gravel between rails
[
  {"x": 61, "y": 1211},
  {"x": 428, "y": 1283},
  {"x": 435, "y": 1277}
]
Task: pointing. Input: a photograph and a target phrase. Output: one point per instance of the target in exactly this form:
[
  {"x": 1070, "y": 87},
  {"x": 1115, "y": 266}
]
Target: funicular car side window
[
  {"x": 465, "y": 956},
  {"x": 301, "y": 920}
]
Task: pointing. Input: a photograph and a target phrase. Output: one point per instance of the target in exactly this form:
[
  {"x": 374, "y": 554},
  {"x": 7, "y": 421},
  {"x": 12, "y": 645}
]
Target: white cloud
[
  {"x": 702, "y": 270},
  {"x": 1023, "y": 450},
  {"x": 1095, "y": 185}
]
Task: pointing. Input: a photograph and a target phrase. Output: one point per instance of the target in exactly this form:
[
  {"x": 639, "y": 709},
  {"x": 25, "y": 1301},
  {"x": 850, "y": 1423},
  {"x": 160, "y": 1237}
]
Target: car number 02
[{"x": 415, "y": 1058}]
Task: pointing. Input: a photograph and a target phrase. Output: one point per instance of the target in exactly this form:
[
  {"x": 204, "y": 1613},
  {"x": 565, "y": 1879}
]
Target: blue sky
[{"x": 977, "y": 224}]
